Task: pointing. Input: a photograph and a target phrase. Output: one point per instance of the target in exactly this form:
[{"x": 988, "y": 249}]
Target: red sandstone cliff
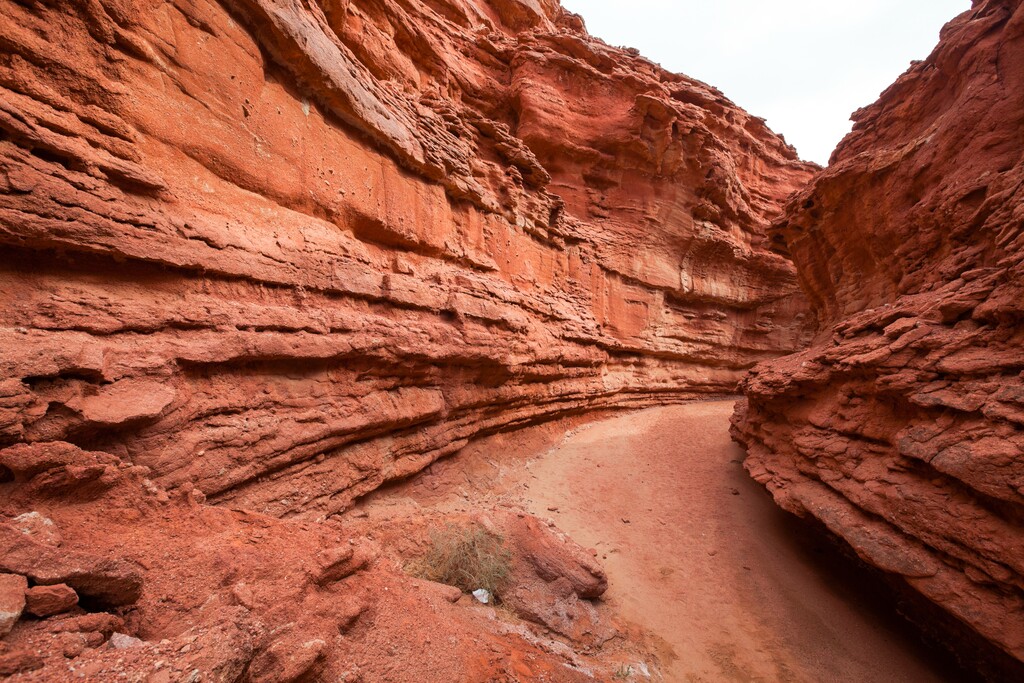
[
  {"x": 275, "y": 253},
  {"x": 285, "y": 251},
  {"x": 902, "y": 427}
]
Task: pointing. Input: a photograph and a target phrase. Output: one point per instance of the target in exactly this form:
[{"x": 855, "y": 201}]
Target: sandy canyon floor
[{"x": 725, "y": 585}]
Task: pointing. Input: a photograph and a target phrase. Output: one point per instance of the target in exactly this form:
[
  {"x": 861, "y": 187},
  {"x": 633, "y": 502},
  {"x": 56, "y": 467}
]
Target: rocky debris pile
[
  {"x": 104, "y": 575},
  {"x": 901, "y": 429},
  {"x": 126, "y": 606},
  {"x": 40, "y": 576},
  {"x": 35, "y": 582}
]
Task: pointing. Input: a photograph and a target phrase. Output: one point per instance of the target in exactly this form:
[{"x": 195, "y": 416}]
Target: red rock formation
[
  {"x": 272, "y": 254},
  {"x": 286, "y": 251},
  {"x": 902, "y": 427}
]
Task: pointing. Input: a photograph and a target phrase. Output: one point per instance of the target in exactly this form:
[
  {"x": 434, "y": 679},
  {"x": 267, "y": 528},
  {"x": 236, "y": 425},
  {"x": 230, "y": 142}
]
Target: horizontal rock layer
[
  {"x": 902, "y": 427},
  {"x": 285, "y": 251}
]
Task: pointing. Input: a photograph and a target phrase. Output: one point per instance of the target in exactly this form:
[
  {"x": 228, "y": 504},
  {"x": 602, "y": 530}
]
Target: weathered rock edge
[{"x": 901, "y": 428}]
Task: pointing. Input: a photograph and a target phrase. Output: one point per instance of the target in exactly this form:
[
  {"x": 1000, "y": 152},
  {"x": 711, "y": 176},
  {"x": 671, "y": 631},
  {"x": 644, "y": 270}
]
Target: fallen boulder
[
  {"x": 12, "y": 601},
  {"x": 337, "y": 563},
  {"x": 554, "y": 556},
  {"x": 45, "y": 601}
]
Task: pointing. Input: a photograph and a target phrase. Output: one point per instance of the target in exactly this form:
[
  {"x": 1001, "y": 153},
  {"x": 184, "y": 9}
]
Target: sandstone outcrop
[
  {"x": 263, "y": 256},
  {"x": 282, "y": 252},
  {"x": 901, "y": 428}
]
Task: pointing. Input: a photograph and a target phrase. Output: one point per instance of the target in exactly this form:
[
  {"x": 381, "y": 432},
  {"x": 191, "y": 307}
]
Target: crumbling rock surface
[
  {"x": 283, "y": 252},
  {"x": 901, "y": 428},
  {"x": 235, "y": 596}
]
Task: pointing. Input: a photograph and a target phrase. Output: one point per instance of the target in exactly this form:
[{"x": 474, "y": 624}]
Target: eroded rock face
[
  {"x": 902, "y": 427},
  {"x": 284, "y": 252}
]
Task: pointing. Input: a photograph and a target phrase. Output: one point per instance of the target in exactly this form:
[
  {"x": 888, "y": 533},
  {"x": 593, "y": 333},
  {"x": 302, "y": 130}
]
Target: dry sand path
[{"x": 698, "y": 554}]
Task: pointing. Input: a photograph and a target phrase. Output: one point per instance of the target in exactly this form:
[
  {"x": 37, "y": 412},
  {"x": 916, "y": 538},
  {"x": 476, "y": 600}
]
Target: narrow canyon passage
[
  {"x": 299, "y": 293},
  {"x": 698, "y": 554}
]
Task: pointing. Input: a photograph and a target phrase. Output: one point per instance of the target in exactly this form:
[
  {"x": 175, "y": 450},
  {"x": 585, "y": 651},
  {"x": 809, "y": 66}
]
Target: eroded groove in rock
[
  {"x": 901, "y": 427},
  {"x": 286, "y": 251}
]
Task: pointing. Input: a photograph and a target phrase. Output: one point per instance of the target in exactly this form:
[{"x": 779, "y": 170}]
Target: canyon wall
[
  {"x": 285, "y": 251},
  {"x": 901, "y": 428}
]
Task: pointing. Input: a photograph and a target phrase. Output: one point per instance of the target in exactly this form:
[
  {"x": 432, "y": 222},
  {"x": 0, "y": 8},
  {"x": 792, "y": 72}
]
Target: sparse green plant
[
  {"x": 466, "y": 557},
  {"x": 623, "y": 673}
]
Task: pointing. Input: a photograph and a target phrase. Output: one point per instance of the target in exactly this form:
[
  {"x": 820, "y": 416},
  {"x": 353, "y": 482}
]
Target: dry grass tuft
[{"x": 467, "y": 558}]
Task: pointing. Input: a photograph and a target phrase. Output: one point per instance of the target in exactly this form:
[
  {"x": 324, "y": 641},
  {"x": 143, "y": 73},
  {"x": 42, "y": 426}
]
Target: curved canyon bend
[
  {"x": 729, "y": 587},
  {"x": 388, "y": 341}
]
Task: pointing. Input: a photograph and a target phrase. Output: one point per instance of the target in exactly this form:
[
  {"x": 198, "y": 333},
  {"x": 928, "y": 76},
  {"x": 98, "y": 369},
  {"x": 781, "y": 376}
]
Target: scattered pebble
[{"x": 122, "y": 641}]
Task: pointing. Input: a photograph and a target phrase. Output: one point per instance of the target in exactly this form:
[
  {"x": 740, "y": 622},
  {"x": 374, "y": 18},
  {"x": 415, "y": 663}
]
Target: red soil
[{"x": 725, "y": 583}]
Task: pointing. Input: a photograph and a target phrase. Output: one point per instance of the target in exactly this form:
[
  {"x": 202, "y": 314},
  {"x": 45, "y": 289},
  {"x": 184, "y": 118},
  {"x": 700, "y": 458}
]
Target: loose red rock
[
  {"x": 45, "y": 601},
  {"x": 12, "y": 600}
]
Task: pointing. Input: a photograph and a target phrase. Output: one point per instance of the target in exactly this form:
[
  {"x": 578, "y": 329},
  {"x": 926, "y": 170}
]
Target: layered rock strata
[
  {"x": 285, "y": 251},
  {"x": 901, "y": 428}
]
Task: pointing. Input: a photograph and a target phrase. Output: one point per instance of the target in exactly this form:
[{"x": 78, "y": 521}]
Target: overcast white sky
[{"x": 805, "y": 65}]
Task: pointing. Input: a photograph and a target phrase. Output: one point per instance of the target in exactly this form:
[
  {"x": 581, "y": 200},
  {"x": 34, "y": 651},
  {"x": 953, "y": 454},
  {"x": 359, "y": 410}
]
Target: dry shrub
[{"x": 467, "y": 558}]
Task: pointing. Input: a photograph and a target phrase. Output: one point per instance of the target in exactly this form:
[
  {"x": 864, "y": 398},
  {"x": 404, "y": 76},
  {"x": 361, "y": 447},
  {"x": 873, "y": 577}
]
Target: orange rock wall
[
  {"x": 285, "y": 251},
  {"x": 902, "y": 427}
]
